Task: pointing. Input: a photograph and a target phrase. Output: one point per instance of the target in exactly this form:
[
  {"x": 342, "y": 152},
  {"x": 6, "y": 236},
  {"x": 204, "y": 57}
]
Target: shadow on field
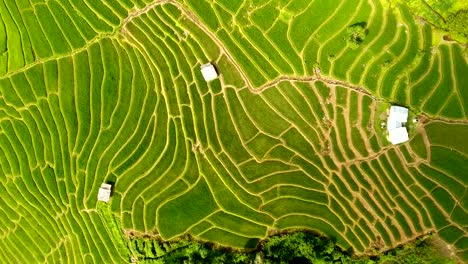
[{"x": 252, "y": 243}]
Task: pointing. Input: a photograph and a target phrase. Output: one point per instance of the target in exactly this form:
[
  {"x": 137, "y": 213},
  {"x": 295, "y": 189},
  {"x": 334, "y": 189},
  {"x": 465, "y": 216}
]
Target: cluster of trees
[
  {"x": 297, "y": 247},
  {"x": 355, "y": 35},
  {"x": 448, "y": 15},
  {"x": 458, "y": 23},
  {"x": 184, "y": 250}
]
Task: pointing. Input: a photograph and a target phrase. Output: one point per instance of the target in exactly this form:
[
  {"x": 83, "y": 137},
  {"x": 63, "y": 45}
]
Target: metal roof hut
[
  {"x": 396, "y": 122},
  {"x": 209, "y": 72},
  {"x": 398, "y": 135},
  {"x": 104, "y": 192}
]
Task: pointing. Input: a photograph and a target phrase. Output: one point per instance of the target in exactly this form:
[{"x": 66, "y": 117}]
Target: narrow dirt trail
[{"x": 330, "y": 82}]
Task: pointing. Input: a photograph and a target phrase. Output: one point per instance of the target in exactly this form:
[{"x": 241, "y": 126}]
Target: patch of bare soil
[
  {"x": 378, "y": 245},
  {"x": 445, "y": 249},
  {"x": 129, "y": 233}
]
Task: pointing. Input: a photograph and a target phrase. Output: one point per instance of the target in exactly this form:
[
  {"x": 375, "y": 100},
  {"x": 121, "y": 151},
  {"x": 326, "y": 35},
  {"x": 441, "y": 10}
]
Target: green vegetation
[
  {"x": 297, "y": 247},
  {"x": 288, "y": 137},
  {"x": 355, "y": 35},
  {"x": 113, "y": 227},
  {"x": 458, "y": 24},
  {"x": 448, "y": 15}
]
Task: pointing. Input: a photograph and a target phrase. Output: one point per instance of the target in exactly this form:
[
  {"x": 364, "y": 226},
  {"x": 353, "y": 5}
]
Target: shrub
[
  {"x": 458, "y": 22},
  {"x": 297, "y": 247},
  {"x": 355, "y": 35}
]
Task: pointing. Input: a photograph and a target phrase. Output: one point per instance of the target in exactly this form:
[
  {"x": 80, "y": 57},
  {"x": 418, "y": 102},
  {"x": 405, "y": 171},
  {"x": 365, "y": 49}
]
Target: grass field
[{"x": 289, "y": 136}]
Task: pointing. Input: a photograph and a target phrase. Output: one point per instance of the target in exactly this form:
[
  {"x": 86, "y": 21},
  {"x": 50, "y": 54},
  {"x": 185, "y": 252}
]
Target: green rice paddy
[{"x": 289, "y": 135}]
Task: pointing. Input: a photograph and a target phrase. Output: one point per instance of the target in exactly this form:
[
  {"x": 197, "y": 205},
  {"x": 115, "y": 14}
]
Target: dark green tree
[
  {"x": 355, "y": 35},
  {"x": 458, "y": 23}
]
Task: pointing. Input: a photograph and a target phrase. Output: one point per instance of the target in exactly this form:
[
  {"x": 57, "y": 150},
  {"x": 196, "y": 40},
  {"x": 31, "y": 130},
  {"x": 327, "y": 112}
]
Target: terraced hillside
[{"x": 289, "y": 136}]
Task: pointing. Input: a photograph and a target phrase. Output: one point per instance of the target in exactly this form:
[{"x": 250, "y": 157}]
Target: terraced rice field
[{"x": 288, "y": 137}]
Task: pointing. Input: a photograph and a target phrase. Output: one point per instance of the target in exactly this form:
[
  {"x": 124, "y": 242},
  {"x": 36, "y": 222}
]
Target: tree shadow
[
  {"x": 252, "y": 243},
  {"x": 215, "y": 66},
  {"x": 111, "y": 179}
]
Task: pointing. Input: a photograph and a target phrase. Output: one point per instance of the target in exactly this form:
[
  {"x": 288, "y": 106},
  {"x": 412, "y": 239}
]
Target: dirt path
[
  {"x": 224, "y": 51},
  {"x": 331, "y": 83}
]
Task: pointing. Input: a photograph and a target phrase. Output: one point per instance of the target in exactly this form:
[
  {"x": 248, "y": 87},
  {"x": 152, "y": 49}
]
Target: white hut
[
  {"x": 209, "y": 72},
  {"x": 397, "y": 118},
  {"x": 398, "y": 135},
  {"x": 104, "y": 192}
]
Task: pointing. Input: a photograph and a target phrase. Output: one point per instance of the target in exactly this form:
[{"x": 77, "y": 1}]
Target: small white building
[
  {"x": 396, "y": 122},
  {"x": 104, "y": 192},
  {"x": 209, "y": 72},
  {"x": 398, "y": 135}
]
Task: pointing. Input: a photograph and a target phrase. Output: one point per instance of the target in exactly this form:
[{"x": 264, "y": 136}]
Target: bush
[
  {"x": 297, "y": 247},
  {"x": 419, "y": 252},
  {"x": 355, "y": 35}
]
